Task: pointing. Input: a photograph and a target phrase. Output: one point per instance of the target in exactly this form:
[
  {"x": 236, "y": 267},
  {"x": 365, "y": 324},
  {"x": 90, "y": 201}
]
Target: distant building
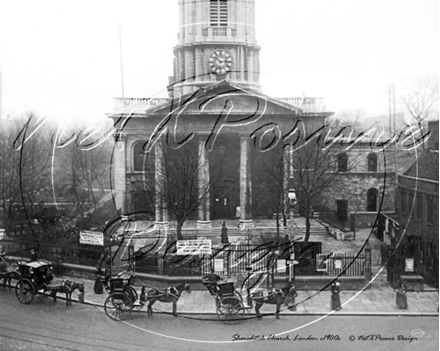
[{"x": 414, "y": 248}]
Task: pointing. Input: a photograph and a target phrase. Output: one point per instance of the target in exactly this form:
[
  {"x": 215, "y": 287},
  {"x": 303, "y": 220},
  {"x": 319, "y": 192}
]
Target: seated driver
[{"x": 212, "y": 279}]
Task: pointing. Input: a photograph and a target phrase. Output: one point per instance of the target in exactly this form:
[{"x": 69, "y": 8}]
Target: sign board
[
  {"x": 409, "y": 265},
  {"x": 218, "y": 264},
  {"x": 193, "y": 247},
  {"x": 338, "y": 264},
  {"x": 89, "y": 237},
  {"x": 322, "y": 262},
  {"x": 281, "y": 266}
]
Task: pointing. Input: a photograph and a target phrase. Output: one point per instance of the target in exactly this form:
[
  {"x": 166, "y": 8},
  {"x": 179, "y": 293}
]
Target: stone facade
[
  {"x": 368, "y": 185},
  {"x": 233, "y": 139}
]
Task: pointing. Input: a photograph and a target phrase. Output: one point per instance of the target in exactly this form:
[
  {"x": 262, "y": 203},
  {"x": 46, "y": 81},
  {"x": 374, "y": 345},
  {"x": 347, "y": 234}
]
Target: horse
[
  {"x": 275, "y": 297},
  {"x": 8, "y": 271},
  {"x": 170, "y": 294},
  {"x": 67, "y": 287}
]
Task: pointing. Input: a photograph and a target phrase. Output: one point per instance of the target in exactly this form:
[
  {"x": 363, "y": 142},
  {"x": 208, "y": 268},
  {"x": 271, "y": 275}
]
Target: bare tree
[
  {"x": 81, "y": 173},
  {"x": 270, "y": 173},
  {"x": 24, "y": 160},
  {"x": 420, "y": 98},
  {"x": 178, "y": 187},
  {"x": 351, "y": 119},
  {"x": 316, "y": 167}
]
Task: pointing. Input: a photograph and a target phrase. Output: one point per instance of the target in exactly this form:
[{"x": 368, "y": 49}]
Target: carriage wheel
[
  {"x": 25, "y": 291},
  {"x": 118, "y": 306},
  {"x": 230, "y": 309}
]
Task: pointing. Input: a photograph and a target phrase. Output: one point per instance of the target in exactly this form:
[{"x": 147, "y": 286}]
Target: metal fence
[
  {"x": 238, "y": 260},
  {"x": 81, "y": 255}
]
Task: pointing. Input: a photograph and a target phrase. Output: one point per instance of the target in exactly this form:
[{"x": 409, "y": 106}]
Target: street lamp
[{"x": 292, "y": 202}]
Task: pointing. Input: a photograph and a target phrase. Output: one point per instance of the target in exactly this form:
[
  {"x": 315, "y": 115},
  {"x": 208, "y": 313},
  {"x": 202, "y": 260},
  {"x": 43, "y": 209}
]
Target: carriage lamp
[{"x": 31, "y": 271}]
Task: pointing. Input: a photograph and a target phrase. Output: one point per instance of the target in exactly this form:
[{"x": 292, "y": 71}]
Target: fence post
[{"x": 368, "y": 262}]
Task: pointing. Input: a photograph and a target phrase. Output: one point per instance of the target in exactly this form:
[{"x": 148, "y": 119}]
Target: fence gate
[{"x": 250, "y": 264}]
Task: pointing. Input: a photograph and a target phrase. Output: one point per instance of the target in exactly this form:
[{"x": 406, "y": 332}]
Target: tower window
[{"x": 218, "y": 13}]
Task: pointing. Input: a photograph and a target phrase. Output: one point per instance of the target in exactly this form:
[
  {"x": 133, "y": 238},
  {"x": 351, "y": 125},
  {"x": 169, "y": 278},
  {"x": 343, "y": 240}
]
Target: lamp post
[
  {"x": 291, "y": 195},
  {"x": 292, "y": 202}
]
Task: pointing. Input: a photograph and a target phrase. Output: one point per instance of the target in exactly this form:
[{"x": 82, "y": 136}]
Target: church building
[{"x": 217, "y": 107}]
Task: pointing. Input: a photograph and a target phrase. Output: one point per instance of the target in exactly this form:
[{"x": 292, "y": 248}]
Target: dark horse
[
  {"x": 170, "y": 294},
  {"x": 8, "y": 271},
  {"x": 274, "y": 297},
  {"x": 66, "y": 287}
]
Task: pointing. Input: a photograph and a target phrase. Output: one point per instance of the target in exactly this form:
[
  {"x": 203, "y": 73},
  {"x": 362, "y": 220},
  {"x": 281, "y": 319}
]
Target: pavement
[{"x": 379, "y": 300}]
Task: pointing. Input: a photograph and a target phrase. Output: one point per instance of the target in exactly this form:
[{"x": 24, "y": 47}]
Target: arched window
[
  {"x": 372, "y": 199},
  {"x": 138, "y": 156},
  {"x": 372, "y": 162},
  {"x": 342, "y": 162}
]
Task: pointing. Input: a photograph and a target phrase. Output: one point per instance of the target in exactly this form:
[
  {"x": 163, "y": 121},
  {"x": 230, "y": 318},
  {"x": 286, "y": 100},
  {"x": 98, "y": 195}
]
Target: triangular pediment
[{"x": 224, "y": 97}]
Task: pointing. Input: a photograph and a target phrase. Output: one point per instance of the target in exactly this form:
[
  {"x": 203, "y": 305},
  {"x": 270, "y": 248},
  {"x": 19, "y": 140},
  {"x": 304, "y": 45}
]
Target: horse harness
[
  {"x": 65, "y": 284},
  {"x": 170, "y": 291}
]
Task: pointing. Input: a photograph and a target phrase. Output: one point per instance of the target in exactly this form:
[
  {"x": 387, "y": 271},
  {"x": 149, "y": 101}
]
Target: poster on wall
[
  {"x": 409, "y": 265},
  {"x": 218, "y": 265},
  {"x": 281, "y": 266}
]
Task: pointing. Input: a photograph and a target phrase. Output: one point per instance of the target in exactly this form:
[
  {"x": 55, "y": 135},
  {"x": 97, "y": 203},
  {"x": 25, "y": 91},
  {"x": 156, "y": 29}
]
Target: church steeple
[{"x": 216, "y": 42}]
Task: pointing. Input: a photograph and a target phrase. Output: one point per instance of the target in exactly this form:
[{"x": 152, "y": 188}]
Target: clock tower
[{"x": 216, "y": 42}]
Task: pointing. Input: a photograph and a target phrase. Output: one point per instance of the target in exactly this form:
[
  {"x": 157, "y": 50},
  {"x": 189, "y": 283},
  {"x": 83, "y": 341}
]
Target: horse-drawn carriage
[
  {"x": 37, "y": 277},
  {"x": 123, "y": 297},
  {"x": 34, "y": 277},
  {"x": 229, "y": 302}
]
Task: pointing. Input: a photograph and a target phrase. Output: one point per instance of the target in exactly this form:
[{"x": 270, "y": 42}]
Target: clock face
[{"x": 220, "y": 62}]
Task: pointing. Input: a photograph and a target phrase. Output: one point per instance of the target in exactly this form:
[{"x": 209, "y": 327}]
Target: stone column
[
  {"x": 120, "y": 189},
  {"x": 249, "y": 65},
  {"x": 198, "y": 65},
  {"x": 245, "y": 184},
  {"x": 161, "y": 210},
  {"x": 242, "y": 76},
  {"x": 204, "y": 216},
  {"x": 189, "y": 65}
]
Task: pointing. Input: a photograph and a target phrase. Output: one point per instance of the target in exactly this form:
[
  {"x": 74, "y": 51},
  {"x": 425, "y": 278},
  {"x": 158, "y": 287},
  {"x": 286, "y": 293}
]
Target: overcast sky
[{"x": 62, "y": 58}]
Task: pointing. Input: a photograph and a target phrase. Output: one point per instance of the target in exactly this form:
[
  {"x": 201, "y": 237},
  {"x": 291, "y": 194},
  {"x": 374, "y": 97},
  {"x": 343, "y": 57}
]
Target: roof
[
  {"x": 36, "y": 264},
  {"x": 227, "y": 98},
  {"x": 425, "y": 167}
]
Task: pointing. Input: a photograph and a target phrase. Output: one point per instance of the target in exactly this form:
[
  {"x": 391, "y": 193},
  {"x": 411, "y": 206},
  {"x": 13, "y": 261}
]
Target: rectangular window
[
  {"x": 218, "y": 13},
  {"x": 430, "y": 209},
  {"x": 419, "y": 209}
]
